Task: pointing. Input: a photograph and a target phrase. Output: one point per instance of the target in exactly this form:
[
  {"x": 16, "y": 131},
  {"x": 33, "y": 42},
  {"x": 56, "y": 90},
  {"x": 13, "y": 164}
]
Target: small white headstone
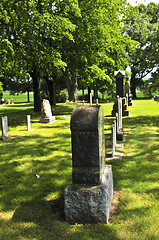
[
  {"x": 90, "y": 98},
  {"x": 4, "y": 127},
  {"x": 28, "y": 123}
]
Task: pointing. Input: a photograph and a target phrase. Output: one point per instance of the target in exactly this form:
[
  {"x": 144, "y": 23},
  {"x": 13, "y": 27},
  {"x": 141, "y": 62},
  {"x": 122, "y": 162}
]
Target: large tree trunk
[
  {"x": 28, "y": 96},
  {"x": 72, "y": 85},
  {"x": 95, "y": 93},
  {"x": 133, "y": 84},
  {"x": 89, "y": 91},
  {"x": 51, "y": 89},
  {"x": 36, "y": 87}
]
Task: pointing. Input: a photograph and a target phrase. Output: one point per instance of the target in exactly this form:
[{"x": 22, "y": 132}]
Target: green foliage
[
  {"x": 141, "y": 24},
  {"x": 1, "y": 89},
  {"x": 62, "y": 96}
]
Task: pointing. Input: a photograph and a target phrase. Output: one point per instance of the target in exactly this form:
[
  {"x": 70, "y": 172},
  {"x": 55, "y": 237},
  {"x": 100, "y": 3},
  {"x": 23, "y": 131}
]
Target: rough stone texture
[
  {"x": 88, "y": 144},
  {"x": 46, "y": 112},
  {"x": 87, "y": 203},
  {"x": 4, "y": 127}
]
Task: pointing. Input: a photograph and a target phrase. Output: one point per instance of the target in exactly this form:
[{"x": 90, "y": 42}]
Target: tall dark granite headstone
[
  {"x": 119, "y": 82},
  {"x": 88, "y": 144},
  {"x": 88, "y": 199}
]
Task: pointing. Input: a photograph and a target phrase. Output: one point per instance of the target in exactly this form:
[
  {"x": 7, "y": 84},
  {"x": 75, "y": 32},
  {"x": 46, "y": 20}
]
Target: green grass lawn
[
  {"x": 18, "y": 98},
  {"x": 36, "y": 167}
]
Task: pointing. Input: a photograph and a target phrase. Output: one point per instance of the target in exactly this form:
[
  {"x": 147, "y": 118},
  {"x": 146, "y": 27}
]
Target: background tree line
[{"x": 71, "y": 43}]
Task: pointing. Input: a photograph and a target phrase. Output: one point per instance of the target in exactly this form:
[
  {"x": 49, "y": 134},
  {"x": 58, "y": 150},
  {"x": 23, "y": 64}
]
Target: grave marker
[
  {"x": 28, "y": 123},
  {"x": 113, "y": 137},
  {"x": 119, "y": 82},
  {"x": 90, "y": 98},
  {"x": 46, "y": 112},
  {"x": 88, "y": 199},
  {"x": 4, "y": 127}
]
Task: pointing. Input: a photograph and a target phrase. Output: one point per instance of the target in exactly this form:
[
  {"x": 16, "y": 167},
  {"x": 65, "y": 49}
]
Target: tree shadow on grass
[{"x": 132, "y": 122}]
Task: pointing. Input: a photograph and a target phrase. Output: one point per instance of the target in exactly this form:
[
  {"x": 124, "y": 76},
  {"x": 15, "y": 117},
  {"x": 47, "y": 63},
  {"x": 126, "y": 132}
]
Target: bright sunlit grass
[{"x": 36, "y": 166}]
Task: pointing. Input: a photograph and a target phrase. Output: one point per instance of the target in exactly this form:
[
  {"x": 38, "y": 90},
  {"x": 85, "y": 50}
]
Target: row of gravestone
[{"x": 88, "y": 198}]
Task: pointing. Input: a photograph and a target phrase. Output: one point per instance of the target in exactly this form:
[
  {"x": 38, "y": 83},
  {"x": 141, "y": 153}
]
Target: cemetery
[
  {"x": 79, "y": 120},
  {"x": 37, "y": 194}
]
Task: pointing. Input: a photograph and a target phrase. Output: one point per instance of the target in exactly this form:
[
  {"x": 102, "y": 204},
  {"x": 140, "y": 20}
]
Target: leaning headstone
[
  {"x": 4, "y": 127},
  {"x": 46, "y": 112},
  {"x": 28, "y": 123},
  {"x": 88, "y": 199}
]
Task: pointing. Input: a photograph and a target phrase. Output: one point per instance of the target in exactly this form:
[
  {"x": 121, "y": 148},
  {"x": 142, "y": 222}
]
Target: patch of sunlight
[{"x": 6, "y": 216}]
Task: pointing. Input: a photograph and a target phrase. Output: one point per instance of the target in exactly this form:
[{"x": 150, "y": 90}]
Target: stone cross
[
  {"x": 28, "y": 123},
  {"x": 119, "y": 82},
  {"x": 4, "y": 127},
  {"x": 89, "y": 197}
]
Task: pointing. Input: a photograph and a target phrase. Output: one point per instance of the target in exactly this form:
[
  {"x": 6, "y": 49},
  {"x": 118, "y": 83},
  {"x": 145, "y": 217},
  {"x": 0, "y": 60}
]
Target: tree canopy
[
  {"x": 141, "y": 23},
  {"x": 64, "y": 42}
]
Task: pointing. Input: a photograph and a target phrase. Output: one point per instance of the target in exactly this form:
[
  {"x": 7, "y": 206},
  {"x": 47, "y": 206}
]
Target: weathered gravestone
[
  {"x": 88, "y": 199},
  {"x": 119, "y": 132},
  {"x": 127, "y": 93},
  {"x": 46, "y": 112},
  {"x": 4, "y": 127},
  {"x": 119, "y": 75}
]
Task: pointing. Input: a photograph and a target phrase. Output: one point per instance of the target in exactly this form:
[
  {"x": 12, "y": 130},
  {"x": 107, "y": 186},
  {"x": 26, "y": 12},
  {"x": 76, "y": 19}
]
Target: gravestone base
[
  {"x": 126, "y": 113},
  {"x": 89, "y": 203},
  {"x": 120, "y": 135},
  {"x": 48, "y": 120}
]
